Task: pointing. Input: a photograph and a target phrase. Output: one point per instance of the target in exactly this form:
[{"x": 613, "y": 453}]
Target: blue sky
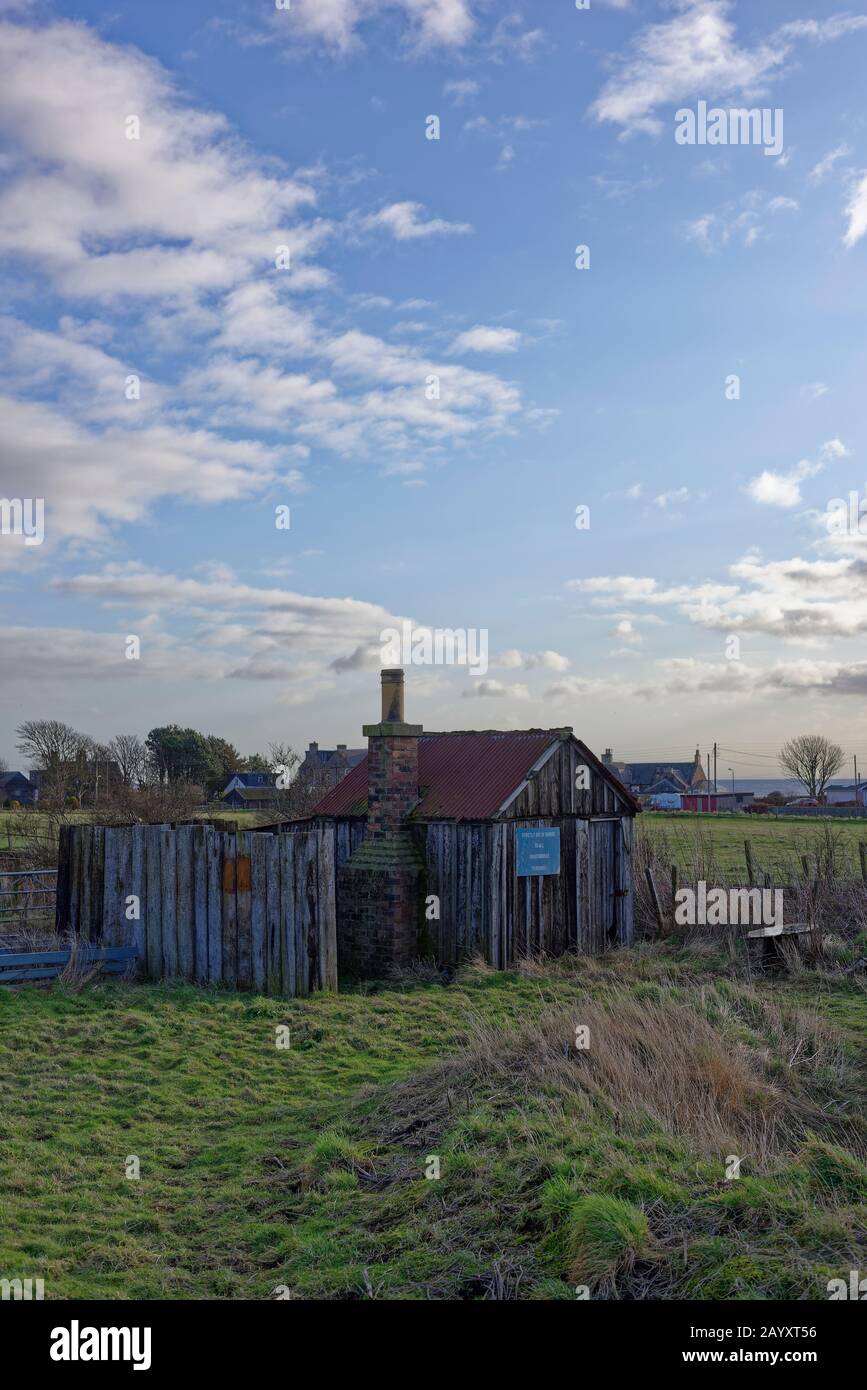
[{"x": 305, "y": 386}]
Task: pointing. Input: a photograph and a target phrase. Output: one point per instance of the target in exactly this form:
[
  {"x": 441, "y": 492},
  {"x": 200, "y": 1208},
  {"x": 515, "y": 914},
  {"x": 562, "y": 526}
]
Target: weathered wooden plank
[
  {"x": 243, "y": 906},
  {"x": 108, "y": 908},
  {"x": 214, "y": 850},
  {"x": 258, "y": 911},
  {"x": 86, "y": 843},
  {"x": 626, "y": 882},
  {"x": 97, "y": 881},
  {"x": 787, "y": 929},
  {"x": 115, "y": 855},
  {"x": 273, "y": 942},
  {"x": 134, "y": 928},
  {"x": 305, "y": 978},
  {"x": 200, "y": 903},
  {"x": 62, "y": 897},
  {"x": 287, "y": 913},
  {"x": 326, "y": 909},
  {"x": 185, "y": 899},
  {"x": 229, "y": 911},
  {"x": 169, "y": 901},
  {"x": 152, "y": 912},
  {"x": 582, "y": 888}
]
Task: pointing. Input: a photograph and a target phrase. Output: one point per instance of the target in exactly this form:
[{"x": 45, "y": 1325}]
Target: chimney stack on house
[{"x": 381, "y": 883}]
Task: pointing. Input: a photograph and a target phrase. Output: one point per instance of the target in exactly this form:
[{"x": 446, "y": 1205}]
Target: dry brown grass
[{"x": 691, "y": 1069}]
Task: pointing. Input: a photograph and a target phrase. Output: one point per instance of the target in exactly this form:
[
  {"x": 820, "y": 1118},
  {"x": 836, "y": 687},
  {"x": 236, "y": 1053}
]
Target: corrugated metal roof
[{"x": 461, "y": 776}]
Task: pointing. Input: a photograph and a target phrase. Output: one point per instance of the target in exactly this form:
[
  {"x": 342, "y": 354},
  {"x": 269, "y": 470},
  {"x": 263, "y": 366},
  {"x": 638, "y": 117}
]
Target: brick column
[{"x": 381, "y": 885}]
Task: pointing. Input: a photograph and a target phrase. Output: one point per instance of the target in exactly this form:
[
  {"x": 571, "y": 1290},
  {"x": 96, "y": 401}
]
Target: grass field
[
  {"x": 304, "y": 1168},
  {"x": 778, "y": 842}
]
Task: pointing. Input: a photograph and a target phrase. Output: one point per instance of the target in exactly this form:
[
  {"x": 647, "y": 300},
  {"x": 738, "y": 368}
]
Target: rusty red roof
[{"x": 461, "y": 776}]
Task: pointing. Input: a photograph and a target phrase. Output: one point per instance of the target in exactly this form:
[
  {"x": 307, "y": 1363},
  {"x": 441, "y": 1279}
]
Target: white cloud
[
  {"x": 483, "y": 339},
  {"x": 405, "y": 222},
  {"x": 856, "y": 212},
  {"x": 823, "y": 168},
  {"x": 739, "y": 220},
  {"x": 493, "y": 689},
  {"x": 91, "y": 481},
  {"x": 336, "y": 23},
  {"x": 515, "y": 660},
  {"x": 461, "y": 90},
  {"x": 697, "y": 54},
  {"x": 795, "y": 600},
  {"x": 199, "y": 207},
  {"x": 677, "y": 494},
  {"x": 783, "y": 489}
]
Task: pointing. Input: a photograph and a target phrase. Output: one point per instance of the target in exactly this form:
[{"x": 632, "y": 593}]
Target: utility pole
[{"x": 856, "y": 780}]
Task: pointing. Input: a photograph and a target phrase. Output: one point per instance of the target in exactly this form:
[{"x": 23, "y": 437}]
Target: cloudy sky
[{"x": 232, "y": 263}]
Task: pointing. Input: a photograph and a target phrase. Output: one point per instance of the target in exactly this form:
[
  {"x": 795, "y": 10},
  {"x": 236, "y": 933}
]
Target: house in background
[
  {"x": 641, "y": 778},
  {"x": 14, "y": 786},
  {"x": 251, "y": 791},
  {"x": 709, "y": 800},
  {"x": 664, "y": 795},
  {"x": 838, "y": 795},
  {"x": 325, "y": 767},
  {"x": 83, "y": 778}
]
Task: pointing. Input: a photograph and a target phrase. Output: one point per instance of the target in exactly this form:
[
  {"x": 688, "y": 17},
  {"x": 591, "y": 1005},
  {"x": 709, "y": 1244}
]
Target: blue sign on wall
[{"x": 538, "y": 851}]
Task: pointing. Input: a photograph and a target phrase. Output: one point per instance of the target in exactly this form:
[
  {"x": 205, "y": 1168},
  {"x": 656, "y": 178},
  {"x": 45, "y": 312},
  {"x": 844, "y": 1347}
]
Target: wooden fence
[{"x": 253, "y": 910}]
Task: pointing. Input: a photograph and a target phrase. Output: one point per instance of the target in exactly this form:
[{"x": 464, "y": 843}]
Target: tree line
[{"x": 74, "y": 766}]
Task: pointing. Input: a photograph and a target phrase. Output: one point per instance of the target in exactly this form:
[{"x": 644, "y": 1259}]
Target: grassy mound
[{"x": 428, "y": 1141}]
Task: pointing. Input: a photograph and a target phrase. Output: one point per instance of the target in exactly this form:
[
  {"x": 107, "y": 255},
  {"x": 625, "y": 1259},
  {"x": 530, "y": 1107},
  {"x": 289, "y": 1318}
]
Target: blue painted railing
[{"x": 45, "y": 965}]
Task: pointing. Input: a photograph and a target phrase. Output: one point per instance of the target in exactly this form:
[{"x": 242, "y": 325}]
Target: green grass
[
  {"x": 304, "y": 1168},
  {"x": 778, "y": 842}
]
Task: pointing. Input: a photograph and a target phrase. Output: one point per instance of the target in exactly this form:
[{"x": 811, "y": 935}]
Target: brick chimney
[
  {"x": 392, "y": 763},
  {"x": 380, "y": 899}
]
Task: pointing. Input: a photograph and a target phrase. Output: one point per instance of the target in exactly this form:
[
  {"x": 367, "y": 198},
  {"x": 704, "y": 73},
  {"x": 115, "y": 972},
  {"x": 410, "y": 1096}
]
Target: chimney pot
[{"x": 392, "y": 696}]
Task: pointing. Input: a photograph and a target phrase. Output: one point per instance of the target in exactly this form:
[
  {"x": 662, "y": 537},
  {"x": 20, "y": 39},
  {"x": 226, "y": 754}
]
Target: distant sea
[{"x": 787, "y": 785}]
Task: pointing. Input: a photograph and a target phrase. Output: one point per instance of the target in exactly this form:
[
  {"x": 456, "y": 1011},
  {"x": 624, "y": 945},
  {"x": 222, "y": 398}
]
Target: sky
[{"x": 323, "y": 256}]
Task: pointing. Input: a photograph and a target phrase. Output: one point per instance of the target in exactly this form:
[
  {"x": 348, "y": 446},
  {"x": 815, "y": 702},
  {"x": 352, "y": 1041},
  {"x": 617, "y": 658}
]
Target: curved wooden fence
[{"x": 252, "y": 910}]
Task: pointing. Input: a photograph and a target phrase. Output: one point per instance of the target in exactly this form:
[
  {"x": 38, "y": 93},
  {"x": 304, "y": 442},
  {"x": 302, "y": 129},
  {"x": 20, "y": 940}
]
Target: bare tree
[
  {"x": 812, "y": 760},
  {"x": 48, "y": 742},
  {"x": 57, "y": 751},
  {"x": 130, "y": 754}
]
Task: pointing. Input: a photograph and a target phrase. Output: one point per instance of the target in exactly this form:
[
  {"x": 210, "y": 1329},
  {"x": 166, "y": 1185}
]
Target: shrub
[{"x": 604, "y": 1237}]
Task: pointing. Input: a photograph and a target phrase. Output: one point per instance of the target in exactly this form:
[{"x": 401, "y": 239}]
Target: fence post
[
  {"x": 751, "y": 872},
  {"x": 648, "y": 873}
]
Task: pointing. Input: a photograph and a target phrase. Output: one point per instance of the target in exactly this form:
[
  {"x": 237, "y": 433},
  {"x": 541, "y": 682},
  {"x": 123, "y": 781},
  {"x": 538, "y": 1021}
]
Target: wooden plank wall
[
  {"x": 486, "y": 909},
  {"x": 551, "y": 790},
  {"x": 255, "y": 911}
]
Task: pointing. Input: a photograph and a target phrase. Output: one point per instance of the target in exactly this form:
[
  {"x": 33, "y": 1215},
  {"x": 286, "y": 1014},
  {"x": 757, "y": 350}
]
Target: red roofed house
[{"x": 501, "y": 843}]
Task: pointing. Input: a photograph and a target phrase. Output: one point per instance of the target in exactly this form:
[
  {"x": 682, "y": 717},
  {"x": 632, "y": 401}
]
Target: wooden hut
[{"x": 499, "y": 843}]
